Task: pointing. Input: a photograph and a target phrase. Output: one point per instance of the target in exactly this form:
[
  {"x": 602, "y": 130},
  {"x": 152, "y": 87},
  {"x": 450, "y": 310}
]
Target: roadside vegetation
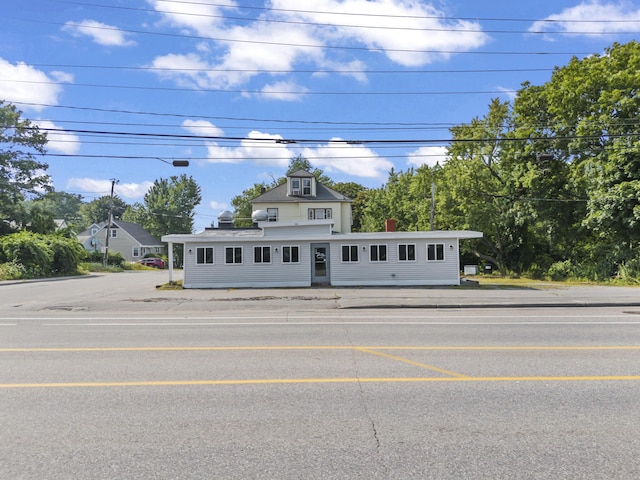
[{"x": 551, "y": 178}]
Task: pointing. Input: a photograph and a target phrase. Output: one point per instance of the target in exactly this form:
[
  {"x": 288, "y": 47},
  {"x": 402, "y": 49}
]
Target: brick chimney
[{"x": 389, "y": 225}]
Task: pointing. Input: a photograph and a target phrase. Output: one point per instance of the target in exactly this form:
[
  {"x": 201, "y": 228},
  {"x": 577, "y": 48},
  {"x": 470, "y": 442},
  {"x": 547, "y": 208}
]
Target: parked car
[{"x": 153, "y": 262}]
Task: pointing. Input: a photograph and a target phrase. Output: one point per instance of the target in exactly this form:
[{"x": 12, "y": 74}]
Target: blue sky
[{"x": 239, "y": 87}]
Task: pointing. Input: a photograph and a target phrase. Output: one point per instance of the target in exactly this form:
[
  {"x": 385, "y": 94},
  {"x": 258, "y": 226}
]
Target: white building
[{"x": 306, "y": 253}]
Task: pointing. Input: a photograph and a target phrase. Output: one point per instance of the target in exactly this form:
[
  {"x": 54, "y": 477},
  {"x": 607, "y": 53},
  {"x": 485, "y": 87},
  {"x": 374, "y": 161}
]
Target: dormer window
[
  {"x": 295, "y": 186},
  {"x": 306, "y": 187}
]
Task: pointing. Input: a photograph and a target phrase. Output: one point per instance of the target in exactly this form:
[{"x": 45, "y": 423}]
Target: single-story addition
[{"x": 306, "y": 253}]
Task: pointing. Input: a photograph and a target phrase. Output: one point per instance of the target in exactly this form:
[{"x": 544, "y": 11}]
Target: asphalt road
[{"x": 109, "y": 378}]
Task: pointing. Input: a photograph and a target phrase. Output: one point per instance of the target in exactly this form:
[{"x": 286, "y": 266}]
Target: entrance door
[{"x": 320, "y": 264}]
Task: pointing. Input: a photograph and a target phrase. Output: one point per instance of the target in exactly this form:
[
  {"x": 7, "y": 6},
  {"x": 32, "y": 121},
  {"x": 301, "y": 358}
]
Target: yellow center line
[
  {"x": 275, "y": 381},
  {"x": 411, "y": 362},
  {"x": 314, "y": 347}
]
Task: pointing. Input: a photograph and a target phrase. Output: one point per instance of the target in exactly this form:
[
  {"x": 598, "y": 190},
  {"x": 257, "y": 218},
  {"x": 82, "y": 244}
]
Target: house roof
[
  {"x": 136, "y": 231},
  {"x": 279, "y": 195}
]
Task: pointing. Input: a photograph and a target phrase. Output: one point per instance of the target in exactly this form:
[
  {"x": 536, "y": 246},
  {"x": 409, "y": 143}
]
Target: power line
[
  {"x": 373, "y": 27},
  {"x": 356, "y": 14}
]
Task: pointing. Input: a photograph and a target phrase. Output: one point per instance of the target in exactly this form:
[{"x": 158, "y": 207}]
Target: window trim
[
  {"x": 235, "y": 249},
  {"x": 306, "y": 187},
  {"x": 272, "y": 214},
  {"x": 376, "y": 247},
  {"x": 435, "y": 252},
  {"x": 407, "y": 259},
  {"x": 353, "y": 248},
  {"x": 135, "y": 252},
  {"x": 261, "y": 249},
  {"x": 114, "y": 233},
  {"x": 290, "y": 261},
  {"x": 204, "y": 256}
]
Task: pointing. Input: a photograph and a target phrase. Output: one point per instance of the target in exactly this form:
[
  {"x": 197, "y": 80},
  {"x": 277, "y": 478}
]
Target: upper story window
[
  {"x": 319, "y": 213},
  {"x": 272, "y": 214},
  {"x": 306, "y": 186},
  {"x": 295, "y": 186},
  {"x": 114, "y": 233},
  {"x": 301, "y": 186},
  {"x": 94, "y": 230}
]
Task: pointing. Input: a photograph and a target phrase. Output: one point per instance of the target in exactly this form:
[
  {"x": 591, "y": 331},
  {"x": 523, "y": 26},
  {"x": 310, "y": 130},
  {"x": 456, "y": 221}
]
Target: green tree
[
  {"x": 97, "y": 210},
  {"x": 357, "y": 193},
  {"x": 169, "y": 205},
  {"x": 61, "y": 205},
  {"x": 20, "y": 171}
]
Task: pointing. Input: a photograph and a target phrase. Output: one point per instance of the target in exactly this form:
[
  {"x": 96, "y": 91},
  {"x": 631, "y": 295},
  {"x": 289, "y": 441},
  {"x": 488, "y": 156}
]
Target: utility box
[{"x": 471, "y": 269}]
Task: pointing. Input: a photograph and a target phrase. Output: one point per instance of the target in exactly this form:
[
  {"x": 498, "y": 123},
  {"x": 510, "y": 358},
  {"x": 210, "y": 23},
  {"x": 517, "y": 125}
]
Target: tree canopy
[{"x": 21, "y": 174}]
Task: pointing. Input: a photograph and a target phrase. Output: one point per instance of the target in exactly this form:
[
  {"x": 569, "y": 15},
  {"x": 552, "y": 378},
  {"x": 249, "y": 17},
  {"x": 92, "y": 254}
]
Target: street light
[{"x": 175, "y": 163}]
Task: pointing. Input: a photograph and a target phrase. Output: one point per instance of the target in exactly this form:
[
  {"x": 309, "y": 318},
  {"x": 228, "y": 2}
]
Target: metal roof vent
[
  {"x": 225, "y": 216},
  {"x": 225, "y": 219},
  {"x": 259, "y": 216}
]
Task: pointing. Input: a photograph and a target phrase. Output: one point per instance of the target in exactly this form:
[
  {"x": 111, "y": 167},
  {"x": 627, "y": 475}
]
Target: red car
[{"x": 153, "y": 262}]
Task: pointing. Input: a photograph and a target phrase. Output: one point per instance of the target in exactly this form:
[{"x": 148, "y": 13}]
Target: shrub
[
  {"x": 31, "y": 250},
  {"x": 114, "y": 258},
  {"x": 559, "y": 270}
]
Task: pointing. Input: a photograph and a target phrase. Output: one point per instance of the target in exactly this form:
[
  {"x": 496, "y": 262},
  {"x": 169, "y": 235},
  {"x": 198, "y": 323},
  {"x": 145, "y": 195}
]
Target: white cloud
[
  {"x": 259, "y": 148},
  {"x": 196, "y": 16},
  {"x": 428, "y": 156},
  {"x": 406, "y": 31},
  {"x": 288, "y": 91},
  {"x": 591, "y": 17},
  {"x": 59, "y": 141},
  {"x": 23, "y": 83},
  {"x": 202, "y": 128},
  {"x": 357, "y": 160},
  {"x": 213, "y": 205},
  {"x": 100, "y": 33},
  {"x": 126, "y": 190}
]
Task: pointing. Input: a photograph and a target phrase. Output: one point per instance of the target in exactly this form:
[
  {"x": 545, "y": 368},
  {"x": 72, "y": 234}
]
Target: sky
[{"x": 240, "y": 87}]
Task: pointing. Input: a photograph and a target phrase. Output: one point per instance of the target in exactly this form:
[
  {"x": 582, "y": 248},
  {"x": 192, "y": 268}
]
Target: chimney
[{"x": 389, "y": 225}]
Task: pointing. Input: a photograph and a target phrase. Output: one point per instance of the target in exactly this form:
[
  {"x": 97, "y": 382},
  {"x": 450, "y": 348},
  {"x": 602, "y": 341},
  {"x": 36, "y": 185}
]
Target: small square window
[
  {"x": 290, "y": 254},
  {"x": 262, "y": 254},
  {"x": 349, "y": 253},
  {"x": 435, "y": 252},
  {"x": 378, "y": 253},
  {"x": 233, "y": 255},
  {"x": 407, "y": 252},
  {"x": 204, "y": 256}
]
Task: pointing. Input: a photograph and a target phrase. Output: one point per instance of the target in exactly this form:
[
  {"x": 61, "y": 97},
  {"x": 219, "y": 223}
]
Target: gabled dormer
[{"x": 301, "y": 184}]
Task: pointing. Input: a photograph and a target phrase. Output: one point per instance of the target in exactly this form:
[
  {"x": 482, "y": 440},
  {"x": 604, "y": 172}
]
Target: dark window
[
  {"x": 262, "y": 254},
  {"x": 204, "y": 255},
  {"x": 349, "y": 253},
  {"x": 435, "y": 252},
  {"x": 290, "y": 254},
  {"x": 407, "y": 253},
  {"x": 233, "y": 255},
  {"x": 378, "y": 253}
]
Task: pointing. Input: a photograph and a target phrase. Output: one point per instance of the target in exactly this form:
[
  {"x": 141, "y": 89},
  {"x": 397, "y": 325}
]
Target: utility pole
[
  {"x": 433, "y": 200},
  {"x": 105, "y": 258}
]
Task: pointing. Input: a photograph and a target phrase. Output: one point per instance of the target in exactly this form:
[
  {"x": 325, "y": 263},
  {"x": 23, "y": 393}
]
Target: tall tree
[
  {"x": 97, "y": 210},
  {"x": 20, "y": 173},
  {"x": 169, "y": 205}
]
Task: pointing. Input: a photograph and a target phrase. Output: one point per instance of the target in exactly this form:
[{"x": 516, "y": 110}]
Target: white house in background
[
  {"x": 129, "y": 239},
  {"x": 309, "y": 252},
  {"x": 304, "y": 198}
]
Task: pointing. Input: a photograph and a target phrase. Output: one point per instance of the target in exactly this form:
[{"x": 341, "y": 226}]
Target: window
[
  {"x": 349, "y": 253},
  {"x": 290, "y": 254},
  {"x": 233, "y": 255},
  {"x": 135, "y": 252},
  {"x": 306, "y": 186},
  {"x": 295, "y": 186},
  {"x": 407, "y": 253},
  {"x": 378, "y": 253},
  {"x": 204, "y": 256},
  {"x": 262, "y": 254},
  {"x": 158, "y": 249},
  {"x": 272, "y": 214},
  {"x": 94, "y": 230},
  {"x": 114, "y": 233},
  {"x": 319, "y": 213},
  {"x": 435, "y": 252}
]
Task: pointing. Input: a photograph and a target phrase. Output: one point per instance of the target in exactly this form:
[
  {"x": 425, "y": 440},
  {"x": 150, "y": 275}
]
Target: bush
[
  {"x": 114, "y": 258},
  {"x": 559, "y": 270},
  {"x": 32, "y": 255}
]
